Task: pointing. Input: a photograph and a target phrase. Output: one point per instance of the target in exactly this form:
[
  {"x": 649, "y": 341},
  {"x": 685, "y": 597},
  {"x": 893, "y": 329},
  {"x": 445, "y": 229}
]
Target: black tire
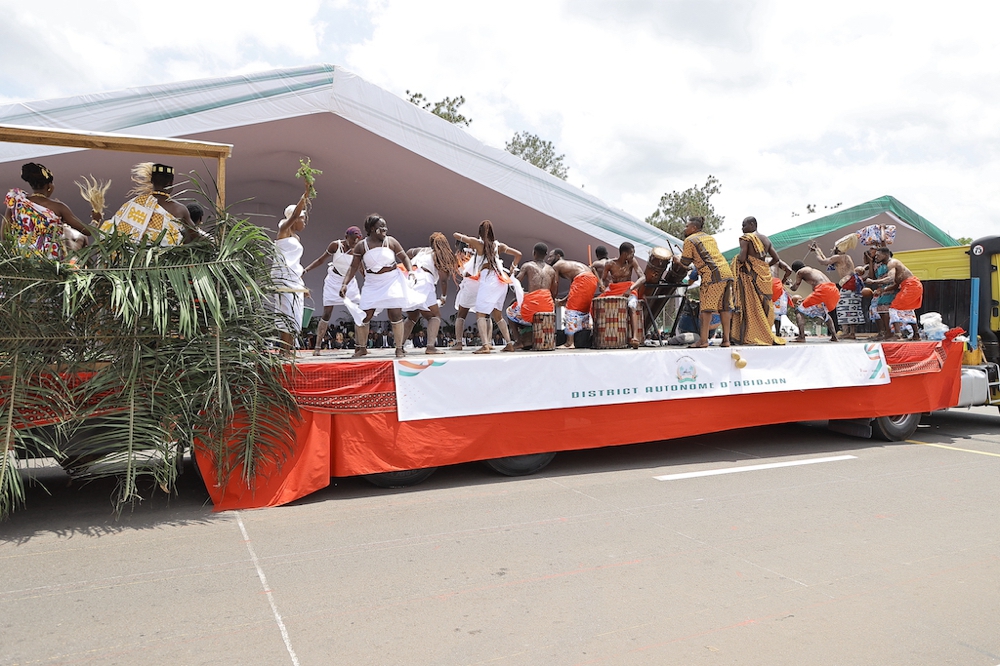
[
  {"x": 521, "y": 465},
  {"x": 896, "y": 428},
  {"x": 403, "y": 479}
]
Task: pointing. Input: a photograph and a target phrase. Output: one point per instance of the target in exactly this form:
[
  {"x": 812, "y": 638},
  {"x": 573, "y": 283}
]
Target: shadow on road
[{"x": 86, "y": 508}]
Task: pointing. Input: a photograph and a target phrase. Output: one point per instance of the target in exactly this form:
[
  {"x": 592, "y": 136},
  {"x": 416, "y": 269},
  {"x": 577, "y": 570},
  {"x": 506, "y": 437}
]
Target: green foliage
[
  {"x": 676, "y": 207},
  {"x": 130, "y": 354},
  {"x": 446, "y": 108},
  {"x": 309, "y": 174},
  {"x": 531, "y": 148},
  {"x": 964, "y": 240}
]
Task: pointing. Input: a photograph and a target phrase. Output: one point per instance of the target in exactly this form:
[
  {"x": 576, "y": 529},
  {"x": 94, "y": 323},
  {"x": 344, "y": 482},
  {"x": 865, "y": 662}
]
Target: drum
[
  {"x": 543, "y": 331},
  {"x": 659, "y": 258},
  {"x": 611, "y": 329}
]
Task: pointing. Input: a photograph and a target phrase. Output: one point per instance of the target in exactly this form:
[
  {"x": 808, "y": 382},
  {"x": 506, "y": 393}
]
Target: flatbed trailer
[{"x": 354, "y": 420}]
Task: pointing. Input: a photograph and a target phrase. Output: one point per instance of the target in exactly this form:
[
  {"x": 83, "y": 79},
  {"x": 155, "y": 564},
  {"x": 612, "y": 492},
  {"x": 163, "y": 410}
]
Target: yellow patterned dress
[
  {"x": 143, "y": 218},
  {"x": 753, "y": 316}
]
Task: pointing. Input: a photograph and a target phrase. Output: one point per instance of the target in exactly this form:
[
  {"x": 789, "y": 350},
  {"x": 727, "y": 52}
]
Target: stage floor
[{"x": 388, "y": 354}]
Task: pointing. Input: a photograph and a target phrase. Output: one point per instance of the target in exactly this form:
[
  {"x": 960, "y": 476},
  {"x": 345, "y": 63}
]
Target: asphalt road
[{"x": 872, "y": 553}]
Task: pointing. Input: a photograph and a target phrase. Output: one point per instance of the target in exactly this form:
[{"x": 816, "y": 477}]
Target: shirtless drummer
[
  {"x": 540, "y": 282},
  {"x": 617, "y": 281},
  {"x": 583, "y": 285}
]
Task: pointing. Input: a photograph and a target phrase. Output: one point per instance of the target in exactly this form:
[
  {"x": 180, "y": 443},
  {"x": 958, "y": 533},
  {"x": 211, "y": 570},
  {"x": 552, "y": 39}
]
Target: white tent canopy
[{"x": 378, "y": 153}]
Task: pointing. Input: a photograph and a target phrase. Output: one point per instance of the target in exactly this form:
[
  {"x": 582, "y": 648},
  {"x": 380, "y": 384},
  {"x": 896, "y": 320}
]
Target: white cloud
[{"x": 786, "y": 102}]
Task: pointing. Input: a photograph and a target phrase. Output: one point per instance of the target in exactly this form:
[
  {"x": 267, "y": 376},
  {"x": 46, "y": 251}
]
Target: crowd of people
[{"x": 745, "y": 296}]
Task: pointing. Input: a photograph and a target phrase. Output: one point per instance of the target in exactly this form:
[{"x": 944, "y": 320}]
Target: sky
[{"x": 787, "y": 103}]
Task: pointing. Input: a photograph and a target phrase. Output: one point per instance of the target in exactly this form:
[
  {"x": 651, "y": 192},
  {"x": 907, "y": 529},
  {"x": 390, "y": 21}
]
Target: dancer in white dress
[
  {"x": 386, "y": 287},
  {"x": 287, "y": 273},
  {"x": 494, "y": 281},
  {"x": 431, "y": 266},
  {"x": 340, "y": 251},
  {"x": 468, "y": 289}
]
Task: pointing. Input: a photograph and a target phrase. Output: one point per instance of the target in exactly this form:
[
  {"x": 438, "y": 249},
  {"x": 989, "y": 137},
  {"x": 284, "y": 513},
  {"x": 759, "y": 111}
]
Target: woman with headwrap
[
  {"x": 287, "y": 272},
  {"x": 35, "y": 221},
  {"x": 494, "y": 281}
]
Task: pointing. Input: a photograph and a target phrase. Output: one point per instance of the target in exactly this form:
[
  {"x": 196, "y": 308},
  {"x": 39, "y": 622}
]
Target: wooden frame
[{"x": 125, "y": 143}]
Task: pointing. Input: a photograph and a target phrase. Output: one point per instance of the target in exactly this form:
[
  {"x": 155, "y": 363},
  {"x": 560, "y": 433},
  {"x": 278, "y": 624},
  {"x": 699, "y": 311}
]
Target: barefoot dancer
[
  {"x": 817, "y": 305},
  {"x": 583, "y": 285},
  {"x": 468, "y": 289},
  {"x": 342, "y": 257},
  {"x": 386, "y": 287},
  {"x": 431, "y": 266},
  {"x": 494, "y": 281},
  {"x": 716, "y": 276}
]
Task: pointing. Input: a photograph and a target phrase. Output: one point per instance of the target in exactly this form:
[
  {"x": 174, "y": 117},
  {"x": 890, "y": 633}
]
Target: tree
[
  {"x": 676, "y": 207},
  {"x": 446, "y": 108},
  {"x": 531, "y": 148},
  {"x": 964, "y": 240}
]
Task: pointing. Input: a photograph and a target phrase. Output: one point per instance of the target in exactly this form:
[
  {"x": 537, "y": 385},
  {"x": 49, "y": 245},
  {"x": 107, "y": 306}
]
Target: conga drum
[
  {"x": 543, "y": 331},
  {"x": 659, "y": 259},
  {"x": 611, "y": 329}
]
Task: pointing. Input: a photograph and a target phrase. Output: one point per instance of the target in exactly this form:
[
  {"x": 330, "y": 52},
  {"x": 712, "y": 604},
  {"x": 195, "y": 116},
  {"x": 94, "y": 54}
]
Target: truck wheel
[
  {"x": 896, "y": 428},
  {"x": 521, "y": 465},
  {"x": 402, "y": 479}
]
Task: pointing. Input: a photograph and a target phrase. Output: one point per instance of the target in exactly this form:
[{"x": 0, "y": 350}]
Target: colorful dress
[
  {"x": 36, "y": 229},
  {"x": 716, "y": 276},
  {"x": 752, "y": 323},
  {"x": 143, "y": 218}
]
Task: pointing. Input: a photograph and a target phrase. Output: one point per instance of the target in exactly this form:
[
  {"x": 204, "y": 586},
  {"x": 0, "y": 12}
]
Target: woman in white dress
[
  {"x": 465, "y": 301},
  {"x": 340, "y": 253},
  {"x": 287, "y": 273},
  {"x": 431, "y": 266},
  {"x": 386, "y": 287},
  {"x": 494, "y": 281}
]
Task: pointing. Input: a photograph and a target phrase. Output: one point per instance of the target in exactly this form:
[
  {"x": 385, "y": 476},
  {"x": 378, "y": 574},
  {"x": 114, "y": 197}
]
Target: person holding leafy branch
[{"x": 287, "y": 271}]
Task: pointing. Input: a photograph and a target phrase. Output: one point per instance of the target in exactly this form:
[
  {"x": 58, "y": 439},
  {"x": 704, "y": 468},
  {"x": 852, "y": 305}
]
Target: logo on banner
[
  {"x": 687, "y": 370},
  {"x": 411, "y": 369},
  {"x": 875, "y": 354}
]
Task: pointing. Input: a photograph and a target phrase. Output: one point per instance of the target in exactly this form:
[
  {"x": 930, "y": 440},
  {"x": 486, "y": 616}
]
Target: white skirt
[
  {"x": 352, "y": 300},
  {"x": 386, "y": 291},
  {"x": 425, "y": 290},
  {"x": 290, "y": 304},
  {"x": 468, "y": 289},
  {"x": 492, "y": 292}
]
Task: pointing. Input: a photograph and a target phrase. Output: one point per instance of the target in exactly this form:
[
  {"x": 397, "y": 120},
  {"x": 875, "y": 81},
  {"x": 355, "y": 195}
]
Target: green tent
[{"x": 913, "y": 231}]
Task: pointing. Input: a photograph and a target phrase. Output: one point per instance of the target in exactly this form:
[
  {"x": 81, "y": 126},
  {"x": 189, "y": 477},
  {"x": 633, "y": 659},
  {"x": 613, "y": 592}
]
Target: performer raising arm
[
  {"x": 386, "y": 287},
  {"x": 493, "y": 284}
]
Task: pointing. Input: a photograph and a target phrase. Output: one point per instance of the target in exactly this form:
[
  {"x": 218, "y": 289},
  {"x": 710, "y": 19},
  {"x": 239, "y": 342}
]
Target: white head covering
[{"x": 288, "y": 213}]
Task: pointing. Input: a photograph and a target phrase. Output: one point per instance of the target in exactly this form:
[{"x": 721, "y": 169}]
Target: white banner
[{"x": 447, "y": 386}]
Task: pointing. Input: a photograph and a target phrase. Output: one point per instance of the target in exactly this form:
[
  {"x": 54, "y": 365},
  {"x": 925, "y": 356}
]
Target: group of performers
[{"x": 744, "y": 295}]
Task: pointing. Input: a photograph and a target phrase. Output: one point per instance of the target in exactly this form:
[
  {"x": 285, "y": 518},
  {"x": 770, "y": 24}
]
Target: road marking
[
  {"x": 954, "y": 448},
  {"x": 749, "y": 468},
  {"x": 267, "y": 590}
]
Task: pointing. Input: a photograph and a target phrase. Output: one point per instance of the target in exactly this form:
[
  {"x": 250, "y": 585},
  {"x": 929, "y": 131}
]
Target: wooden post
[{"x": 220, "y": 185}]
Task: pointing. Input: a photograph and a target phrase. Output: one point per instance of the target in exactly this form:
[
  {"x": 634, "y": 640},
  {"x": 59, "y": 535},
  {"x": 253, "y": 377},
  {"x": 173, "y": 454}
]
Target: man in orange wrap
[
  {"x": 780, "y": 298},
  {"x": 909, "y": 292},
  {"x": 817, "y": 305},
  {"x": 540, "y": 281},
  {"x": 617, "y": 281},
  {"x": 576, "y": 304}
]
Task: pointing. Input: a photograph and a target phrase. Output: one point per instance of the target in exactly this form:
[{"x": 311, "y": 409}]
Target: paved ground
[{"x": 888, "y": 556}]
